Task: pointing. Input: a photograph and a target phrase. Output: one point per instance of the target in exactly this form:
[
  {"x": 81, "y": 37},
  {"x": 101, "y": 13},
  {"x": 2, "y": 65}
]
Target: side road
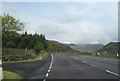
[{"x": 25, "y": 69}]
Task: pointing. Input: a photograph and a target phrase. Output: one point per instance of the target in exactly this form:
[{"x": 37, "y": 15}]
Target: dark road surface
[
  {"x": 68, "y": 68},
  {"x": 59, "y": 67},
  {"x": 27, "y": 69},
  {"x": 105, "y": 64}
]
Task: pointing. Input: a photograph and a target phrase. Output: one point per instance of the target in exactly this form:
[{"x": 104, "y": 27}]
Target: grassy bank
[
  {"x": 33, "y": 59},
  {"x": 11, "y": 51},
  {"x": 11, "y": 75},
  {"x": 101, "y": 56},
  {"x": 109, "y": 57}
]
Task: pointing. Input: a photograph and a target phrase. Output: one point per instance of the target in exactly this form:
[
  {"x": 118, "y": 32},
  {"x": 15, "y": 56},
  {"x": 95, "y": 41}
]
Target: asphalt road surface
[
  {"x": 102, "y": 63},
  {"x": 59, "y": 66},
  {"x": 64, "y": 67},
  {"x": 27, "y": 69}
]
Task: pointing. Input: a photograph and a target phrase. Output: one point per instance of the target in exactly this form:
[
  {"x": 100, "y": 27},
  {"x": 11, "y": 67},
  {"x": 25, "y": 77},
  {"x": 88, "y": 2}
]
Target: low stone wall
[{"x": 15, "y": 58}]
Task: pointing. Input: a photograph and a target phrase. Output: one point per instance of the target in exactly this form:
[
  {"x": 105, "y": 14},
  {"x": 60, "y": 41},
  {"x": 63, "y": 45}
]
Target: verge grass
[{"x": 11, "y": 75}]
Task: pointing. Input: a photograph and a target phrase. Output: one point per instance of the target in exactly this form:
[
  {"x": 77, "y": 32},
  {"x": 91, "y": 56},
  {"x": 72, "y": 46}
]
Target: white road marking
[
  {"x": 49, "y": 67},
  {"x": 49, "y": 70},
  {"x": 83, "y": 61},
  {"x": 103, "y": 69},
  {"x": 112, "y": 73},
  {"x": 47, "y": 74},
  {"x": 44, "y": 79},
  {"x": 93, "y": 65}
]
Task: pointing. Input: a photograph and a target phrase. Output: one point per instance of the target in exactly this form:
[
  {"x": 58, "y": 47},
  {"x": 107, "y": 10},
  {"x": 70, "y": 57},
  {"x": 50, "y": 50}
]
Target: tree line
[{"x": 12, "y": 39}]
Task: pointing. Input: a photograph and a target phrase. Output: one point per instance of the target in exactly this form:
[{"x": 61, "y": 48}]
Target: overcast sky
[{"x": 75, "y": 22}]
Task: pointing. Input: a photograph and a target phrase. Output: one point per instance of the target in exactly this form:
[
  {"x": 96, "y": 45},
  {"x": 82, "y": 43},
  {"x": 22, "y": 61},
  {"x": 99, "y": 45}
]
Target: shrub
[{"x": 10, "y": 44}]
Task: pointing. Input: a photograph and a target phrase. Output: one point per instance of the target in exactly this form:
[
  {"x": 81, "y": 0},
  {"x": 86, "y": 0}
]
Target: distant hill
[
  {"x": 111, "y": 49},
  {"x": 65, "y": 45},
  {"x": 86, "y": 47},
  {"x": 80, "y": 47}
]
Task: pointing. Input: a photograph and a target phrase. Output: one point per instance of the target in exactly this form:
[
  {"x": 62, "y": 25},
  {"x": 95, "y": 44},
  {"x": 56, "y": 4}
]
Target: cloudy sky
[{"x": 68, "y": 22}]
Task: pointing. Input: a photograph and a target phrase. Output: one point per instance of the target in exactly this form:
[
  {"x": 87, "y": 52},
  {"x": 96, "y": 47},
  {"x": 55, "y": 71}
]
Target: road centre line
[{"x": 47, "y": 74}]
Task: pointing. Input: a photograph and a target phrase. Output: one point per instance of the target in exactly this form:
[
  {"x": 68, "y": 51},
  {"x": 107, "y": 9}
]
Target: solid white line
[
  {"x": 112, "y": 73},
  {"x": 47, "y": 74},
  {"x": 52, "y": 59}
]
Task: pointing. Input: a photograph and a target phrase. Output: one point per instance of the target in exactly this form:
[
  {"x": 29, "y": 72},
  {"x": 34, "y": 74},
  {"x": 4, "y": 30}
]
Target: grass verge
[
  {"x": 109, "y": 57},
  {"x": 101, "y": 56},
  {"x": 33, "y": 59},
  {"x": 11, "y": 75}
]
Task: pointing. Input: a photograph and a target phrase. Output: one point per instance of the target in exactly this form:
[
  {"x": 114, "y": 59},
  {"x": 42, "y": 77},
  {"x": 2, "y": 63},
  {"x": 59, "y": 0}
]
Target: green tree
[
  {"x": 38, "y": 47},
  {"x": 9, "y": 23},
  {"x": 10, "y": 44}
]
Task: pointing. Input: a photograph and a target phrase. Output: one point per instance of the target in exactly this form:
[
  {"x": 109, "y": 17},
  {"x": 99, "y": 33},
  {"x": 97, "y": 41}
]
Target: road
[
  {"x": 27, "y": 69},
  {"x": 102, "y": 63},
  {"x": 64, "y": 67},
  {"x": 60, "y": 66}
]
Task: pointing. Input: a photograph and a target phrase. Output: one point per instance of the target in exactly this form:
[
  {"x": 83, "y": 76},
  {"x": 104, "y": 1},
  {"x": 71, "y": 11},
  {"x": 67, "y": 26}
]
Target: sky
[{"x": 68, "y": 22}]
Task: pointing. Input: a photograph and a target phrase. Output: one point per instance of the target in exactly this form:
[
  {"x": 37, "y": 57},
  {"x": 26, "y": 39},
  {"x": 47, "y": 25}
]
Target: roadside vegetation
[
  {"x": 14, "y": 51},
  {"x": 109, "y": 57},
  {"x": 11, "y": 75},
  {"x": 17, "y": 44},
  {"x": 36, "y": 58}
]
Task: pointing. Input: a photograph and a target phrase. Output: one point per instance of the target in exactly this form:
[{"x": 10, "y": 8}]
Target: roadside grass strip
[
  {"x": 33, "y": 59},
  {"x": 11, "y": 75},
  {"x": 109, "y": 57}
]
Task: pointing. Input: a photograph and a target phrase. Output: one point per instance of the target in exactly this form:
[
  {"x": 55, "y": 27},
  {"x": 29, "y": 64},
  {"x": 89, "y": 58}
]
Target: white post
[
  {"x": 98, "y": 54},
  {"x": 117, "y": 55},
  {"x": 1, "y": 71},
  {"x": 40, "y": 56}
]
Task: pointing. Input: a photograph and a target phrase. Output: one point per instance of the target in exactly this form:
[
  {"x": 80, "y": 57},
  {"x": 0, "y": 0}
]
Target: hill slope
[
  {"x": 86, "y": 47},
  {"x": 110, "y": 49}
]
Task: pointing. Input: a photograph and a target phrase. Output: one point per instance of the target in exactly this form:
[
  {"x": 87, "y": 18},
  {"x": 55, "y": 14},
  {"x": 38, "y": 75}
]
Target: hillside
[
  {"x": 110, "y": 49},
  {"x": 56, "y": 42},
  {"x": 80, "y": 47},
  {"x": 86, "y": 47}
]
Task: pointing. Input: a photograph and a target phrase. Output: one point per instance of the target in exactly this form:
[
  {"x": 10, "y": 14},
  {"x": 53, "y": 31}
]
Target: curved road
[
  {"x": 64, "y": 67},
  {"x": 61, "y": 67}
]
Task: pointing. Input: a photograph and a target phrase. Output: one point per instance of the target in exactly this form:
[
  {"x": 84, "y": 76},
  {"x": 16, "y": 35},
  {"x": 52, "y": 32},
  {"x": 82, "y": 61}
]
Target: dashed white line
[
  {"x": 47, "y": 74},
  {"x": 104, "y": 70},
  {"x": 49, "y": 70},
  {"x": 49, "y": 67},
  {"x": 83, "y": 61},
  {"x": 93, "y": 65},
  {"x": 44, "y": 79},
  {"x": 112, "y": 73}
]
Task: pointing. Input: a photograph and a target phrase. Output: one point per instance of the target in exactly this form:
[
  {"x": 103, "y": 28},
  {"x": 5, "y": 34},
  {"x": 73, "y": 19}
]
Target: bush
[
  {"x": 38, "y": 47},
  {"x": 10, "y": 44}
]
